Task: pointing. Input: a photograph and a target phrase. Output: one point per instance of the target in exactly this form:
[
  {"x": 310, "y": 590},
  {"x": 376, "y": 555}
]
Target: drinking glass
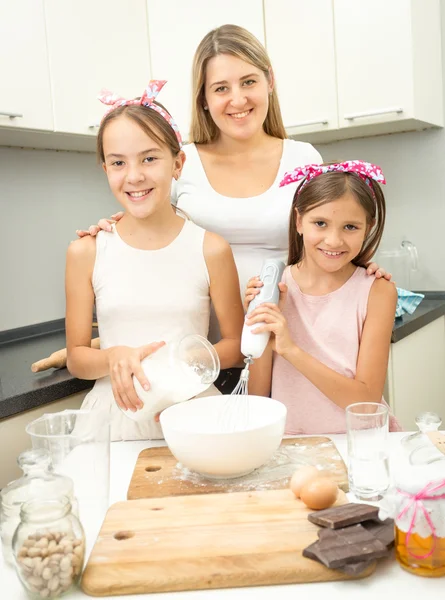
[
  {"x": 368, "y": 464},
  {"x": 78, "y": 442}
]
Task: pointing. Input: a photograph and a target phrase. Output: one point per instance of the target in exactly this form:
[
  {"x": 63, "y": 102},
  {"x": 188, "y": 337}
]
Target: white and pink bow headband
[
  {"x": 147, "y": 99},
  {"x": 364, "y": 170}
]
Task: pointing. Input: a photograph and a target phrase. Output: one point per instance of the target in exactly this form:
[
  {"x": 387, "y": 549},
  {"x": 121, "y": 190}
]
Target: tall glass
[
  {"x": 368, "y": 464},
  {"x": 78, "y": 442}
]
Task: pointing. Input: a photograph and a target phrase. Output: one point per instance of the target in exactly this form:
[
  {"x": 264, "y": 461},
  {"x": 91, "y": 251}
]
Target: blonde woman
[{"x": 239, "y": 152}]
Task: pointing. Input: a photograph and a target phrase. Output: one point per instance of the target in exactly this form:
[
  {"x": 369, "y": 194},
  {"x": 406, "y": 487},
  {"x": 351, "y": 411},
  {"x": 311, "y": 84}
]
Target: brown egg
[
  {"x": 301, "y": 477},
  {"x": 319, "y": 493}
]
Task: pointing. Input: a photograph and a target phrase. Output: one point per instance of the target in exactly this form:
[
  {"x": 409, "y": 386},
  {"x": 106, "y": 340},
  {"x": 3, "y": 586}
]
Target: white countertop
[{"x": 388, "y": 577}]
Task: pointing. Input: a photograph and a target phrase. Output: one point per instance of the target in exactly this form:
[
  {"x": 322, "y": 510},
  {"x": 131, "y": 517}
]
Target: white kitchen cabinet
[
  {"x": 175, "y": 30},
  {"x": 389, "y": 70},
  {"x": 94, "y": 45},
  {"x": 24, "y": 73},
  {"x": 14, "y": 439},
  {"x": 301, "y": 45},
  {"x": 416, "y": 374}
]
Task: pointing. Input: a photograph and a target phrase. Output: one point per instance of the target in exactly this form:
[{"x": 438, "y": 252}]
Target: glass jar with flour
[{"x": 178, "y": 371}]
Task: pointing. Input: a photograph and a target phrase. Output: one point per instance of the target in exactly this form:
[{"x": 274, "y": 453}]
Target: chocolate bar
[
  {"x": 342, "y": 516},
  {"x": 313, "y": 550},
  {"x": 339, "y": 547},
  {"x": 382, "y": 530}
]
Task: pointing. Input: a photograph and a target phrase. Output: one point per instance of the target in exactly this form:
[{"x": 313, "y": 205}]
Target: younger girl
[
  {"x": 153, "y": 279},
  {"x": 333, "y": 328}
]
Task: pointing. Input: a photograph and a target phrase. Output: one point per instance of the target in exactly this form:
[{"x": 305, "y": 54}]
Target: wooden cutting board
[
  {"x": 156, "y": 473},
  {"x": 205, "y": 542}
]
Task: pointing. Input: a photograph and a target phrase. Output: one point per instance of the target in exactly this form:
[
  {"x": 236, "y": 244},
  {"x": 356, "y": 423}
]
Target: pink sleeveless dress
[{"x": 329, "y": 328}]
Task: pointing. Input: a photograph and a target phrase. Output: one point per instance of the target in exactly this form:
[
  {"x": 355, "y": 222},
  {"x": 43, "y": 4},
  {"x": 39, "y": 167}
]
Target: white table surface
[{"x": 388, "y": 578}]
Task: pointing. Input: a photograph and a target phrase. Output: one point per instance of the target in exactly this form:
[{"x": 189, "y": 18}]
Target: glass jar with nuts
[
  {"x": 38, "y": 481},
  {"x": 49, "y": 547}
]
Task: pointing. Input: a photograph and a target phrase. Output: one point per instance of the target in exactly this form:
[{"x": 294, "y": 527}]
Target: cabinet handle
[
  {"x": 305, "y": 123},
  {"x": 94, "y": 126},
  {"x": 10, "y": 115},
  {"x": 373, "y": 113}
]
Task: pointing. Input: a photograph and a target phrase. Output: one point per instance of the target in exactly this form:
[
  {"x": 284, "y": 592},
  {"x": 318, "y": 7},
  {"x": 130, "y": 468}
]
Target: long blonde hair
[{"x": 235, "y": 41}]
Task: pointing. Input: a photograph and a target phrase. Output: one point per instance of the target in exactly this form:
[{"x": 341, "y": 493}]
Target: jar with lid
[
  {"x": 416, "y": 502},
  {"x": 38, "y": 481},
  {"x": 182, "y": 369},
  {"x": 48, "y": 547}
]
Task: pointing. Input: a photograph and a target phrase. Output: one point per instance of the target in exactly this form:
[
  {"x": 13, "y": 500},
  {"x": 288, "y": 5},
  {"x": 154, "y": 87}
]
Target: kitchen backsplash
[
  {"x": 413, "y": 164},
  {"x": 46, "y": 195}
]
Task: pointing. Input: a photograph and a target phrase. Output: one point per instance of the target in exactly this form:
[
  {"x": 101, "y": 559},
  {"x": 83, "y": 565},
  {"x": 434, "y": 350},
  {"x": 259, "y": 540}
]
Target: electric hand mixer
[{"x": 254, "y": 344}]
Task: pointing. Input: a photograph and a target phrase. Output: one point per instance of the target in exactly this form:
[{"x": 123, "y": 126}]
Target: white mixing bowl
[{"x": 223, "y": 437}]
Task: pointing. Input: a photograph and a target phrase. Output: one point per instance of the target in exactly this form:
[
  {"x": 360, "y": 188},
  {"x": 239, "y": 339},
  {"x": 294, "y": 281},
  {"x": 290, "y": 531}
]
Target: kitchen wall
[
  {"x": 44, "y": 197},
  {"x": 414, "y": 166}
]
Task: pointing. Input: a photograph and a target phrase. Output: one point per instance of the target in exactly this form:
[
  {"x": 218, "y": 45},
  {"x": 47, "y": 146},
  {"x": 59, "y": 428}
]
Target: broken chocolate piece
[
  {"x": 325, "y": 534},
  {"x": 356, "y": 568},
  {"x": 313, "y": 550},
  {"x": 342, "y": 516},
  {"x": 382, "y": 530},
  {"x": 349, "y": 545}
]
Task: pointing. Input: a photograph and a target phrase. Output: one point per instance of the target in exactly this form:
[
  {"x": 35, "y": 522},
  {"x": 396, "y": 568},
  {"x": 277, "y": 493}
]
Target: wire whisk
[
  {"x": 242, "y": 385},
  {"x": 235, "y": 411}
]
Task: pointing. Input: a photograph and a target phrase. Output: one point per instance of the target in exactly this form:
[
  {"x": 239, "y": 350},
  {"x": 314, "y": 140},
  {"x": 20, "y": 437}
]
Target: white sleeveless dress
[{"x": 145, "y": 296}]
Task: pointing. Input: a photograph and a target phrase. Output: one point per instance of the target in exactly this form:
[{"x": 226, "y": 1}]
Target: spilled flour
[{"x": 274, "y": 474}]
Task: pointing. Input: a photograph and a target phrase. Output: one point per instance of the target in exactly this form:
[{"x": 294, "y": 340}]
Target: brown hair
[
  {"x": 149, "y": 120},
  {"x": 331, "y": 186},
  {"x": 235, "y": 41}
]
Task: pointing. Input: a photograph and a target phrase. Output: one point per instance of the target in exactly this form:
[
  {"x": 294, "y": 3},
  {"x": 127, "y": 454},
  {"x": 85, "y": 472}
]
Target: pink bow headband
[
  {"x": 364, "y": 170},
  {"x": 147, "y": 99}
]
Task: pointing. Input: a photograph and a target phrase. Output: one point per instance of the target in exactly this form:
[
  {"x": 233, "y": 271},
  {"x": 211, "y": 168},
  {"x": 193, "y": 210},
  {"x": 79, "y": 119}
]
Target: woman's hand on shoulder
[
  {"x": 104, "y": 224},
  {"x": 379, "y": 272}
]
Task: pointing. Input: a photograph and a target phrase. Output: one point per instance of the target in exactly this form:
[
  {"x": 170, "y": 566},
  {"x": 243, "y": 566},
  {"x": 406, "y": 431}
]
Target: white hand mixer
[{"x": 254, "y": 344}]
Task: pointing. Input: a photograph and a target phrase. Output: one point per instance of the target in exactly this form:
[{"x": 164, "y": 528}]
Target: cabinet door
[
  {"x": 374, "y": 61},
  {"x": 172, "y": 47},
  {"x": 24, "y": 82},
  {"x": 416, "y": 374},
  {"x": 94, "y": 45},
  {"x": 300, "y": 43}
]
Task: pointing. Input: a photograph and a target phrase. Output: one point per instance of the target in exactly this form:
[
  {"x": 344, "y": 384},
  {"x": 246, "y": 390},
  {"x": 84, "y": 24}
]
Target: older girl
[{"x": 153, "y": 278}]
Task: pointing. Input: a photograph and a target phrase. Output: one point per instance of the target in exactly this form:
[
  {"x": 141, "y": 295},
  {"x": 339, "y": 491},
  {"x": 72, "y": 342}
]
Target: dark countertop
[
  {"x": 431, "y": 308},
  {"x": 21, "y": 389}
]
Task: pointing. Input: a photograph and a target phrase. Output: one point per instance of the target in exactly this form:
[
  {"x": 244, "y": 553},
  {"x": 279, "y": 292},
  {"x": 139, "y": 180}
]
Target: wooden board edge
[{"x": 216, "y": 581}]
